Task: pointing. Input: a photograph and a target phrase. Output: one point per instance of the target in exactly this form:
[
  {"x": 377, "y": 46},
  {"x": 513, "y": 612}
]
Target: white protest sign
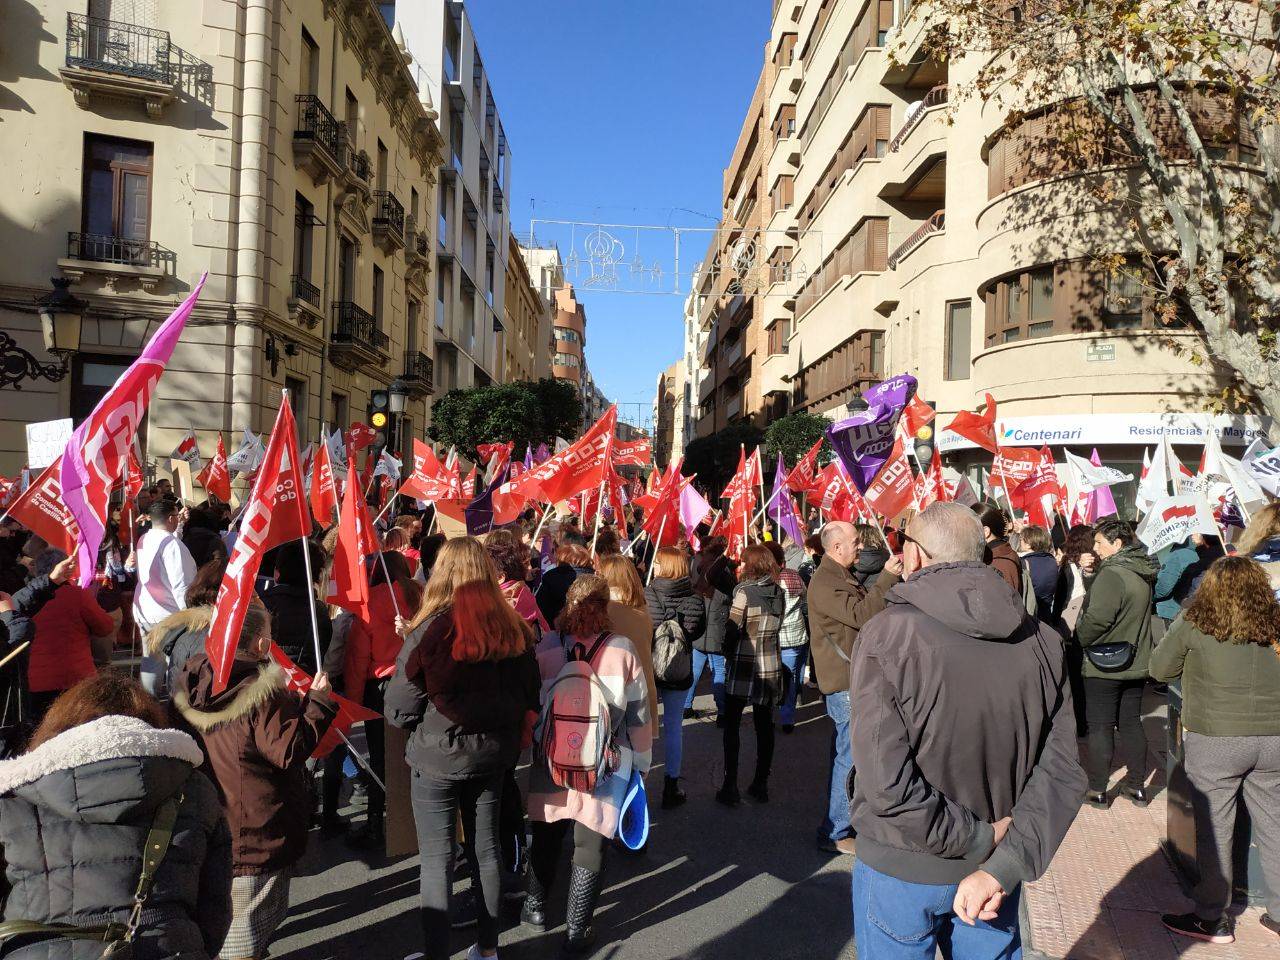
[
  {"x": 1264, "y": 466},
  {"x": 45, "y": 442},
  {"x": 1173, "y": 519}
]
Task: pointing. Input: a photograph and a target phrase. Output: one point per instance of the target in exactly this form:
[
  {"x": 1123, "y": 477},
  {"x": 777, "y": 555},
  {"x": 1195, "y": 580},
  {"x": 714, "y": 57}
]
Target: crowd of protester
[{"x": 976, "y": 672}]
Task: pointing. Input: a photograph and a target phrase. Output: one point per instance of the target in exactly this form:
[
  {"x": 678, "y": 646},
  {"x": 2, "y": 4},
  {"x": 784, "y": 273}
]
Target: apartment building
[
  {"x": 666, "y": 401},
  {"x": 729, "y": 292},
  {"x": 916, "y": 233},
  {"x": 284, "y": 149},
  {"x": 526, "y": 343},
  {"x": 473, "y": 219},
  {"x": 569, "y": 333}
]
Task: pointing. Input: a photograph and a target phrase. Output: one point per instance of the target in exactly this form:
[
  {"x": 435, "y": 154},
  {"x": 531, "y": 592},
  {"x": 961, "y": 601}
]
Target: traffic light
[
  {"x": 380, "y": 414},
  {"x": 924, "y": 440}
]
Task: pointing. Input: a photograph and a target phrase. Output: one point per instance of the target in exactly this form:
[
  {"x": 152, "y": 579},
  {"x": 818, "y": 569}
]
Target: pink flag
[
  {"x": 97, "y": 453},
  {"x": 693, "y": 510},
  {"x": 1101, "y": 503}
]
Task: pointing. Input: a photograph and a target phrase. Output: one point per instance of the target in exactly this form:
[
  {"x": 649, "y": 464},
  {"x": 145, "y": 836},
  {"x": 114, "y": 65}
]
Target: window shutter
[
  {"x": 878, "y": 244},
  {"x": 995, "y": 167},
  {"x": 886, "y": 14},
  {"x": 881, "y": 121}
]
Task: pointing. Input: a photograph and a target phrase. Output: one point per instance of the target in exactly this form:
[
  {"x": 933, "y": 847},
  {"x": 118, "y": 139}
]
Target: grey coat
[{"x": 73, "y": 817}]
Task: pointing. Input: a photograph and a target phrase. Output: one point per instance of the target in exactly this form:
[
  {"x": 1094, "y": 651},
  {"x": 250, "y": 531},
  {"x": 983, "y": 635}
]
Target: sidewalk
[{"x": 1102, "y": 897}]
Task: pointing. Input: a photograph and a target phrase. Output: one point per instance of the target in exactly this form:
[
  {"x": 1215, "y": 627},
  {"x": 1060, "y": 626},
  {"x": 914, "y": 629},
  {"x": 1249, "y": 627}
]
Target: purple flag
[
  {"x": 96, "y": 455},
  {"x": 479, "y": 512},
  {"x": 542, "y": 455},
  {"x": 528, "y": 458},
  {"x": 780, "y": 508},
  {"x": 1101, "y": 502},
  {"x": 864, "y": 441},
  {"x": 693, "y": 509}
]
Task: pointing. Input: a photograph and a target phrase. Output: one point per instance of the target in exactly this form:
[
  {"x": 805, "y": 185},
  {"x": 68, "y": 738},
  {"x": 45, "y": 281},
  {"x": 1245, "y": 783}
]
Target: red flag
[
  {"x": 502, "y": 451},
  {"x": 615, "y": 486},
  {"x": 41, "y": 510},
  {"x": 215, "y": 477},
  {"x": 349, "y": 712},
  {"x": 930, "y": 487},
  {"x": 360, "y": 435},
  {"x": 891, "y": 491},
  {"x": 578, "y": 467},
  {"x": 803, "y": 474},
  {"x": 634, "y": 454},
  {"x": 188, "y": 450},
  {"x": 1013, "y": 464},
  {"x": 977, "y": 427},
  {"x": 469, "y": 485},
  {"x": 916, "y": 415},
  {"x": 133, "y": 478},
  {"x": 324, "y": 494},
  {"x": 1042, "y": 482},
  {"x": 349, "y": 583},
  {"x": 429, "y": 479},
  {"x": 274, "y": 515},
  {"x": 662, "y": 522}
]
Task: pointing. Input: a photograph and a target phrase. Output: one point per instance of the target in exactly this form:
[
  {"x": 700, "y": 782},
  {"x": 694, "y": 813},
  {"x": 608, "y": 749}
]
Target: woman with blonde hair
[
  {"x": 1261, "y": 542},
  {"x": 464, "y": 682},
  {"x": 593, "y": 814},
  {"x": 670, "y": 597},
  {"x": 629, "y": 616},
  {"x": 1225, "y": 648}
]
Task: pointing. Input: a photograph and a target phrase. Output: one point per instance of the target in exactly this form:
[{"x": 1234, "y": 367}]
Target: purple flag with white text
[
  {"x": 781, "y": 509},
  {"x": 864, "y": 441}
]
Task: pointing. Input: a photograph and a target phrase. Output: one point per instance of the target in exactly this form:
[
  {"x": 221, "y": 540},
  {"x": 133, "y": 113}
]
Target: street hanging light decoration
[{"x": 61, "y": 323}]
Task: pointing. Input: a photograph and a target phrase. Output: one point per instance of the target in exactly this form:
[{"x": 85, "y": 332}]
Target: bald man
[{"x": 839, "y": 607}]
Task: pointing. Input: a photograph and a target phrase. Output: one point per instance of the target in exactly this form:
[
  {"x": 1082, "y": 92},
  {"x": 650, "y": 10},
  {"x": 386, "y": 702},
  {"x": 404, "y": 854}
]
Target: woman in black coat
[
  {"x": 75, "y": 811},
  {"x": 714, "y": 581},
  {"x": 670, "y": 597}
]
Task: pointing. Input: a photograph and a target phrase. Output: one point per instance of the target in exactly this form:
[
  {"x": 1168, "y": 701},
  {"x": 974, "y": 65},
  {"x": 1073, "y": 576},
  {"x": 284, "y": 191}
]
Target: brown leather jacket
[
  {"x": 257, "y": 735},
  {"x": 839, "y": 607}
]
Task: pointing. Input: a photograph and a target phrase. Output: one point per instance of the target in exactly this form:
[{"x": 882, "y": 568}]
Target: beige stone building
[
  {"x": 526, "y": 341},
  {"x": 284, "y": 148},
  {"x": 910, "y": 232},
  {"x": 666, "y": 404}
]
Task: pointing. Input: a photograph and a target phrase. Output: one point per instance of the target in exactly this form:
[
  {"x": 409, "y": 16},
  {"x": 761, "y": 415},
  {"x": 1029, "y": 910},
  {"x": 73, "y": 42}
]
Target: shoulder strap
[
  {"x": 153, "y": 852},
  {"x": 595, "y": 647}
]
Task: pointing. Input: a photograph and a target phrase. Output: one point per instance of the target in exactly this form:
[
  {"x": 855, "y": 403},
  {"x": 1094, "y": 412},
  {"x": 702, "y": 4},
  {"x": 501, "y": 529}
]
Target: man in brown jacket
[{"x": 838, "y": 608}]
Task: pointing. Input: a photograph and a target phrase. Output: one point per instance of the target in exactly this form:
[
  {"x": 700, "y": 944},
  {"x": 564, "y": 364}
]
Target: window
[
  {"x": 455, "y": 140},
  {"x": 346, "y": 269},
  {"x": 443, "y": 276},
  {"x": 298, "y": 400},
  {"x": 338, "y": 411},
  {"x": 382, "y": 165},
  {"x": 778, "y": 338},
  {"x": 90, "y": 381},
  {"x": 309, "y": 78},
  {"x": 378, "y": 290},
  {"x": 117, "y": 196},
  {"x": 959, "y": 332},
  {"x": 565, "y": 334},
  {"x": 1040, "y": 321},
  {"x": 1122, "y": 308},
  {"x": 489, "y": 270},
  {"x": 565, "y": 360},
  {"x": 411, "y": 332},
  {"x": 876, "y": 354},
  {"x": 353, "y": 117},
  {"x": 304, "y": 215},
  {"x": 414, "y": 204},
  {"x": 443, "y": 212}
]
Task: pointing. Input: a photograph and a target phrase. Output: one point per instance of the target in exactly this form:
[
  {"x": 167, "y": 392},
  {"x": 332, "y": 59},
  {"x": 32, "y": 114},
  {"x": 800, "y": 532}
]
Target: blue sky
[{"x": 623, "y": 112}]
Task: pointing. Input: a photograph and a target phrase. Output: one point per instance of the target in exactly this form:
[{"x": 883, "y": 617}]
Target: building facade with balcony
[
  {"x": 921, "y": 233},
  {"x": 286, "y": 152},
  {"x": 473, "y": 217},
  {"x": 526, "y": 342},
  {"x": 666, "y": 401},
  {"x": 569, "y": 338}
]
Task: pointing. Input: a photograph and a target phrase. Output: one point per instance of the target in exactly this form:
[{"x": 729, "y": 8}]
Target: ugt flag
[
  {"x": 98, "y": 452},
  {"x": 864, "y": 441}
]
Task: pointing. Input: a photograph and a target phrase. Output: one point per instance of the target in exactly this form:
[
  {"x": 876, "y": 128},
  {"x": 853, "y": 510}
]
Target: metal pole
[{"x": 657, "y": 543}]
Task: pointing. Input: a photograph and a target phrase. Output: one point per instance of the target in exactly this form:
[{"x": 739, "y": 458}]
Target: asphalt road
[{"x": 713, "y": 884}]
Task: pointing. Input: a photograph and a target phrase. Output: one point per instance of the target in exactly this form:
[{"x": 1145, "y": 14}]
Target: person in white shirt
[{"x": 165, "y": 570}]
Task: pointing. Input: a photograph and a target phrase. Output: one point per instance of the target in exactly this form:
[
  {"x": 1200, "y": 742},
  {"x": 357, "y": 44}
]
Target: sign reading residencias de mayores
[{"x": 1117, "y": 428}]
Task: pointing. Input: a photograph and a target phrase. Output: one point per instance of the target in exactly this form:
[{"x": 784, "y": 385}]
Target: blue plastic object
[{"x": 633, "y": 824}]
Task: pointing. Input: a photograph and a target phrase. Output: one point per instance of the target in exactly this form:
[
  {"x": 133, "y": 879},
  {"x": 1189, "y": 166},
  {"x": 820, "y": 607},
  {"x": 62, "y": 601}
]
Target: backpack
[
  {"x": 672, "y": 655},
  {"x": 574, "y": 733}
]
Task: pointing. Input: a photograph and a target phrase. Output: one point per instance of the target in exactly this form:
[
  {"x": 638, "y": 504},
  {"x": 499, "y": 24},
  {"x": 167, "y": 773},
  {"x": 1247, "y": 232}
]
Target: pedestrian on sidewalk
[
  {"x": 165, "y": 570},
  {"x": 963, "y": 740},
  {"x": 671, "y": 600},
  {"x": 793, "y": 636},
  {"x": 593, "y": 814},
  {"x": 1225, "y": 648},
  {"x": 753, "y": 674},
  {"x": 839, "y": 607},
  {"x": 1115, "y": 631},
  {"x": 258, "y": 735},
  {"x": 463, "y": 685},
  {"x": 1000, "y": 554},
  {"x": 713, "y": 578}
]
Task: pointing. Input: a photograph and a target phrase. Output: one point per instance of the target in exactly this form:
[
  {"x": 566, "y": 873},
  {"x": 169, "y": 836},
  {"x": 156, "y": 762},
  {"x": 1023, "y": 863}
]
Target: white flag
[
  {"x": 337, "y": 456},
  {"x": 388, "y": 466},
  {"x": 188, "y": 450},
  {"x": 1172, "y": 519},
  {"x": 1090, "y": 477},
  {"x": 1154, "y": 483},
  {"x": 1263, "y": 466},
  {"x": 248, "y": 455}
]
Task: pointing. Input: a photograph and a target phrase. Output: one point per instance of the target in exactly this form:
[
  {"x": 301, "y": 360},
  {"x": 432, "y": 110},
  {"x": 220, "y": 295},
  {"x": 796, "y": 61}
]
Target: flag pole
[
  {"x": 306, "y": 560},
  {"x": 359, "y": 758},
  {"x": 538, "y": 529},
  {"x": 599, "y": 511},
  {"x": 657, "y": 544}
]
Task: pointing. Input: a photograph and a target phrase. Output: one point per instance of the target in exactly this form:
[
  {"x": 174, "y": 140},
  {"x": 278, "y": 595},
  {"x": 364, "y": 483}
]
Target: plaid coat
[{"x": 753, "y": 659}]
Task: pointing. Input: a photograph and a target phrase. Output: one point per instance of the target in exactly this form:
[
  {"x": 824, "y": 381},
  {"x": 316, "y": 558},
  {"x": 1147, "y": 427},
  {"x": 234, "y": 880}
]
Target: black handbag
[
  {"x": 117, "y": 938},
  {"x": 1111, "y": 657}
]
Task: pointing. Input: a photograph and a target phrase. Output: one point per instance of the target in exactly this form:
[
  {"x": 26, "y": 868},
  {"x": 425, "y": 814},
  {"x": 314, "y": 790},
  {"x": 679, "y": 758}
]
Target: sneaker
[
  {"x": 463, "y": 911},
  {"x": 1197, "y": 928},
  {"x": 1271, "y": 924}
]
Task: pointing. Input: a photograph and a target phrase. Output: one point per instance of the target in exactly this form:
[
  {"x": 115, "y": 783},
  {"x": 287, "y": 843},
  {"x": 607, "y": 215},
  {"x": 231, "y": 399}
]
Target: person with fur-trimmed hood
[
  {"x": 257, "y": 734},
  {"x": 181, "y": 635}
]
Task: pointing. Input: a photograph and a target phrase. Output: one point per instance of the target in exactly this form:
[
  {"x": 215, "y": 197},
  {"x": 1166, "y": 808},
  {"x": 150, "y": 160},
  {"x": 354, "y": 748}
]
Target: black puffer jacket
[
  {"x": 467, "y": 718},
  {"x": 74, "y": 814},
  {"x": 714, "y": 581},
  {"x": 869, "y": 564},
  {"x": 674, "y": 599},
  {"x": 291, "y": 623}
]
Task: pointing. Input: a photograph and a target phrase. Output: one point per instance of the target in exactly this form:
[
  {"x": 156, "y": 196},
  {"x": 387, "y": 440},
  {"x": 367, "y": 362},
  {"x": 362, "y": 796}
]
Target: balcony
[
  {"x": 319, "y": 141},
  {"x": 356, "y": 339},
  {"x": 937, "y": 97},
  {"x": 388, "y": 221},
  {"x": 125, "y": 61},
  {"x": 358, "y": 175},
  {"x": 304, "y": 301},
  {"x": 733, "y": 409},
  {"x": 418, "y": 373},
  {"x": 116, "y": 259},
  {"x": 935, "y": 224}
]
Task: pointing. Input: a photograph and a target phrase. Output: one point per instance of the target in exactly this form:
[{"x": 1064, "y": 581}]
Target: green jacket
[
  {"x": 1118, "y": 608},
  {"x": 1228, "y": 689}
]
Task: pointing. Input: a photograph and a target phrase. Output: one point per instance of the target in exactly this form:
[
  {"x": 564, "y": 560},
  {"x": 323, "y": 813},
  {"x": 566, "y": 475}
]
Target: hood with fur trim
[
  {"x": 251, "y": 684},
  {"x": 162, "y": 635},
  {"x": 104, "y": 770}
]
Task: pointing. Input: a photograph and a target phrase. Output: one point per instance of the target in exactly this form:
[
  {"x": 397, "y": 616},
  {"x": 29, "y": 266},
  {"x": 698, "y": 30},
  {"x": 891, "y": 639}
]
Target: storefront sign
[{"x": 1117, "y": 428}]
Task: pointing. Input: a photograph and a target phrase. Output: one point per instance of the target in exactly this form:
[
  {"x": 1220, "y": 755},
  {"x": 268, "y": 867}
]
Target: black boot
[
  {"x": 672, "y": 795},
  {"x": 371, "y": 836},
  {"x": 759, "y": 790},
  {"x": 533, "y": 913},
  {"x": 584, "y": 890},
  {"x": 728, "y": 793}
]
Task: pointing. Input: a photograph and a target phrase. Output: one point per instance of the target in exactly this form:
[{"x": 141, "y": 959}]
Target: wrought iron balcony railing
[
  {"x": 103, "y": 248},
  {"x": 306, "y": 291},
  {"x": 419, "y": 369},
  {"x": 935, "y": 97},
  {"x": 388, "y": 211},
  {"x": 355, "y": 326},
  {"x": 317, "y": 124},
  {"x": 114, "y": 47},
  {"x": 359, "y": 163}
]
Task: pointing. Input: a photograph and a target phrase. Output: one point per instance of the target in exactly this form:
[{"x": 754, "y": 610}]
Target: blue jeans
[
  {"x": 835, "y": 826},
  {"x": 672, "y": 729},
  {"x": 700, "y": 661},
  {"x": 897, "y": 920},
  {"x": 794, "y": 659}
]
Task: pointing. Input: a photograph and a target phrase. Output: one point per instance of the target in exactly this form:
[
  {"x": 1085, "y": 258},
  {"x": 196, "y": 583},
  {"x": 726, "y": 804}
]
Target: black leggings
[
  {"x": 548, "y": 842},
  {"x": 511, "y": 824},
  {"x": 762, "y": 718},
  {"x": 1109, "y": 704}
]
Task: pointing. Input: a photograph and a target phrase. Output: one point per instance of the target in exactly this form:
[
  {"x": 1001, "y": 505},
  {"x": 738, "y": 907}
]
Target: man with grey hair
[{"x": 964, "y": 743}]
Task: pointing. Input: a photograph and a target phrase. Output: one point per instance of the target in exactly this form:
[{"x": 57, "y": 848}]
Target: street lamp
[
  {"x": 61, "y": 318},
  {"x": 397, "y": 397}
]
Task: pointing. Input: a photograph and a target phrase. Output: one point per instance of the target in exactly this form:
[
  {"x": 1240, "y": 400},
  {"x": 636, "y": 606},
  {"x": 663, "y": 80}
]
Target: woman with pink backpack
[{"x": 593, "y": 732}]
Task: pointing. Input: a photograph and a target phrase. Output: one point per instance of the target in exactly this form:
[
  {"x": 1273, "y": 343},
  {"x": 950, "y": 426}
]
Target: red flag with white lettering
[
  {"x": 273, "y": 515},
  {"x": 349, "y": 712},
  {"x": 634, "y": 454},
  {"x": 41, "y": 510},
  {"x": 803, "y": 474},
  {"x": 215, "y": 477},
  {"x": 891, "y": 491},
  {"x": 576, "y": 468},
  {"x": 324, "y": 494},
  {"x": 349, "y": 585}
]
